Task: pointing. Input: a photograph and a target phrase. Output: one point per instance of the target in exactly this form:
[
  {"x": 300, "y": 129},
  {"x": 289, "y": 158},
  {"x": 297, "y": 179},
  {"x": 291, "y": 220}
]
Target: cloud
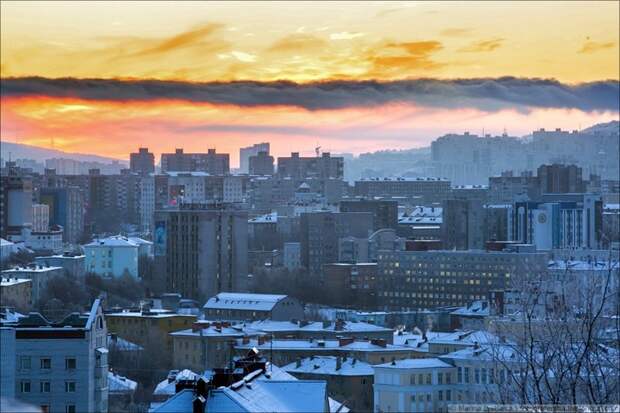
[
  {"x": 243, "y": 57},
  {"x": 456, "y": 31},
  {"x": 297, "y": 43},
  {"x": 181, "y": 40},
  {"x": 345, "y": 36},
  {"x": 483, "y": 46},
  {"x": 591, "y": 46},
  {"x": 402, "y": 57},
  {"x": 488, "y": 94}
]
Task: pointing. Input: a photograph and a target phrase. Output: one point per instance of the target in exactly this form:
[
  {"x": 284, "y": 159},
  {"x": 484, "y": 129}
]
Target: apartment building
[
  {"x": 409, "y": 280},
  {"x": 61, "y": 367}
]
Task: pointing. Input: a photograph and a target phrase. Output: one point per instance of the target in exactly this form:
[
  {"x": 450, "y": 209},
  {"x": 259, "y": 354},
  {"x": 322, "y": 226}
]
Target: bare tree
[{"x": 561, "y": 338}]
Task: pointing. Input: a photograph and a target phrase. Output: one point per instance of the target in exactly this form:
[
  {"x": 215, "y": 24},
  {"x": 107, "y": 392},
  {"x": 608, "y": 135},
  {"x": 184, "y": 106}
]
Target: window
[
  {"x": 428, "y": 379},
  {"x": 448, "y": 395},
  {"x": 69, "y": 387},
  {"x": 440, "y": 395},
  {"x": 24, "y": 386},
  {"x": 439, "y": 378},
  {"x": 45, "y": 408},
  {"x": 412, "y": 379},
  {"x": 459, "y": 374},
  {"x": 70, "y": 408},
  {"x": 46, "y": 363},
  {"x": 466, "y": 374},
  {"x": 44, "y": 387},
  {"x": 484, "y": 376},
  {"x": 70, "y": 364},
  {"x": 24, "y": 363},
  {"x": 477, "y": 376}
]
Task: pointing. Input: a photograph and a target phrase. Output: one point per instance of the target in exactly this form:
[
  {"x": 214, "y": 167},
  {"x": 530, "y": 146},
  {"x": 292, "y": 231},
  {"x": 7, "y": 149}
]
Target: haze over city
[
  {"x": 309, "y": 207},
  {"x": 449, "y": 60}
]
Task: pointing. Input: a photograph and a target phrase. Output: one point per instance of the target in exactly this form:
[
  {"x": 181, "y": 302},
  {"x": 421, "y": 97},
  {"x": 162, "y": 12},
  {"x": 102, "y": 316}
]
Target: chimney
[
  {"x": 339, "y": 325},
  {"x": 338, "y": 363},
  {"x": 379, "y": 342},
  {"x": 298, "y": 362},
  {"x": 344, "y": 341},
  {"x": 326, "y": 323},
  {"x": 261, "y": 340},
  {"x": 199, "y": 404},
  {"x": 245, "y": 340}
]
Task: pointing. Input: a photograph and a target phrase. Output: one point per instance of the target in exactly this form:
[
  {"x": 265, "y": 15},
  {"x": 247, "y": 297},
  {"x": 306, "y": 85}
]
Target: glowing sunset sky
[{"x": 182, "y": 48}]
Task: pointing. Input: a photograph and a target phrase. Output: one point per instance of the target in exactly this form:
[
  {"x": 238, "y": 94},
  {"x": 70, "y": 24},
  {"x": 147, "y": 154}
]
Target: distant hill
[
  {"x": 606, "y": 128},
  {"x": 21, "y": 151}
]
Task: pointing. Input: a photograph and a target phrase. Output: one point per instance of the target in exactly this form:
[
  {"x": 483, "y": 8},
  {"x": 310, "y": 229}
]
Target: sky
[{"x": 108, "y": 77}]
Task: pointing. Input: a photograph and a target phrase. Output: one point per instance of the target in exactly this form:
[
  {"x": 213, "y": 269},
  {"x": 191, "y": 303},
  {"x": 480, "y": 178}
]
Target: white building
[
  {"x": 40, "y": 276},
  {"x": 62, "y": 367},
  {"x": 244, "y": 306},
  {"x": 112, "y": 256},
  {"x": 472, "y": 375},
  {"x": 40, "y": 217},
  {"x": 48, "y": 240},
  {"x": 144, "y": 247},
  {"x": 233, "y": 188}
]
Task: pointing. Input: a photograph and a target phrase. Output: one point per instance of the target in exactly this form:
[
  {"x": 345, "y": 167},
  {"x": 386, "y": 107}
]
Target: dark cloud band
[{"x": 489, "y": 94}]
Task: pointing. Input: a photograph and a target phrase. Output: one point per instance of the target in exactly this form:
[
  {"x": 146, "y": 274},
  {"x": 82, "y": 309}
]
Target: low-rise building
[
  {"x": 322, "y": 330},
  {"x": 149, "y": 328},
  {"x": 74, "y": 264},
  {"x": 205, "y": 346},
  {"x": 348, "y": 379},
  {"x": 112, "y": 257},
  {"x": 244, "y": 306},
  {"x": 61, "y": 367},
  {"x": 39, "y": 275},
  {"x": 254, "y": 385},
  {"x": 17, "y": 293},
  {"x": 285, "y": 351},
  {"x": 121, "y": 392}
]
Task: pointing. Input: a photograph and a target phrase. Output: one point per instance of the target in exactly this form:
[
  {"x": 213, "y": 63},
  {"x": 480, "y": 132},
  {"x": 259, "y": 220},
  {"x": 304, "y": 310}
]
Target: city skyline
[{"x": 359, "y": 76}]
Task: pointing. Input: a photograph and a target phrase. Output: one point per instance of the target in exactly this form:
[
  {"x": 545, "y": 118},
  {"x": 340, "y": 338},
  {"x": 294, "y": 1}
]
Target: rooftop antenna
[{"x": 317, "y": 150}]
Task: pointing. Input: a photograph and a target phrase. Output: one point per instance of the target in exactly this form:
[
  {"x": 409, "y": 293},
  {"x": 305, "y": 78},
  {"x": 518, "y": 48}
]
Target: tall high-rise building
[
  {"x": 384, "y": 212},
  {"x": 210, "y": 162},
  {"x": 15, "y": 203},
  {"x": 142, "y": 162},
  {"x": 201, "y": 250},
  {"x": 66, "y": 208},
  {"x": 261, "y": 164},
  {"x": 321, "y": 232},
  {"x": 298, "y": 167},
  {"x": 557, "y": 178},
  {"x": 245, "y": 153}
]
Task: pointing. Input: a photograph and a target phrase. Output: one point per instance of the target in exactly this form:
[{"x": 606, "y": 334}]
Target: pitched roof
[
  {"x": 326, "y": 365},
  {"x": 244, "y": 301}
]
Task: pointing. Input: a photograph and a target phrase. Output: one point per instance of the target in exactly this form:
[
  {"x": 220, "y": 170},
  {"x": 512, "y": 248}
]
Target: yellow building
[{"x": 149, "y": 329}]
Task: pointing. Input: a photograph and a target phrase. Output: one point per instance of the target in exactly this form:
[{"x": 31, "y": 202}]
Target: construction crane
[{"x": 317, "y": 150}]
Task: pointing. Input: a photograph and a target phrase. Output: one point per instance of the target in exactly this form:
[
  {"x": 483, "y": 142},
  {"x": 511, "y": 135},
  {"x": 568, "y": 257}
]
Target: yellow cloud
[
  {"x": 484, "y": 45},
  {"x": 591, "y": 46}
]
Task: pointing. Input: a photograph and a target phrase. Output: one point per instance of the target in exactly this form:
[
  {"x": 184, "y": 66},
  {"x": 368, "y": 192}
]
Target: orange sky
[{"x": 573, "y": 42}]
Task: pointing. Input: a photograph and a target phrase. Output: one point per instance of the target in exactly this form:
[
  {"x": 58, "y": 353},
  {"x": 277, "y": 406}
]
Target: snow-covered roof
[
  {"x": 317, "y": 326},
  {"x": 5, "y": 282},
  {"x": 152, "y": 313},
  {"x": 121, "y": 344},
  {"x": 318, "y": 346},
  {"x": 139, "y": 241},
  {"x": 119, "y": 385},
  {"x": 466, "y": 337},
  {"x": 244, "y": 301},
  {"x": 34, "y": 268},
  {"x": 211, "y": 331},
  {"x": 593, "y": 265},
  {"x": 476, "y": 308},
  {"x": 168, "y": 387},
  {"x": 422, "y": 363},
  {"x": 327, "y": 365},
  {"x": 265, "y": 219},
  {"x": 113, "y": 241},
  {"x": 272, "y": 391},
  {"x": 4, "y": 242}
]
